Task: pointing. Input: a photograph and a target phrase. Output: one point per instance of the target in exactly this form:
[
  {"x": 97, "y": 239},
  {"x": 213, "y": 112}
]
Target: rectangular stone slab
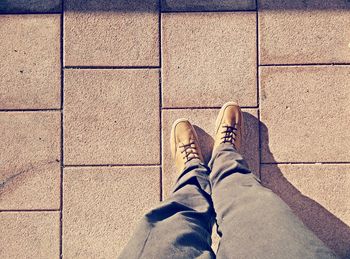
[
  {"x": 207, "y": 5},
  {"x": 102, "y": 206},
  {"x": 111, "y": 116},
  {"x": 30, "y": 160},
  {"x": 208, "y": 59},
  {"x": 30, "y": 68},
  {"x": 319, "y": 194},
  {"x": 30, "y": 234},
  {"x": 112, "y": 33},
  {"x": 29, "y": 6},
  {"x": 305, "y": 114},
  {"x": 304, "y": 32}
]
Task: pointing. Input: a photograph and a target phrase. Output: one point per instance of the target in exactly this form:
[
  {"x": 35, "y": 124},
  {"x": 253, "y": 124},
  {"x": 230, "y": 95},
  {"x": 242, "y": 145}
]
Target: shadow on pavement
[
  {"x": 28, "y": 6},
  {"x": 303, "y": 5},
  {"x": 330, "y": 229}
]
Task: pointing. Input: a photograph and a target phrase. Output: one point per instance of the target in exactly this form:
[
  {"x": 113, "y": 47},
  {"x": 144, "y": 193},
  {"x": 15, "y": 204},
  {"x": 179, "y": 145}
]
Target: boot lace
[
  {"x": 230, "y": 134},
  {"x": 188, "y": 149}
]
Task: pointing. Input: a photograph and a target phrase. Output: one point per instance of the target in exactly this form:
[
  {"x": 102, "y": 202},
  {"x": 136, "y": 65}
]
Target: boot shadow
[{"x": 328, "y": 227}]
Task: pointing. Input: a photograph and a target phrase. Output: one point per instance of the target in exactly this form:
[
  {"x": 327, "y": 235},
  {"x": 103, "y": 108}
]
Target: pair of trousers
[{"x": 252, "y": 221}]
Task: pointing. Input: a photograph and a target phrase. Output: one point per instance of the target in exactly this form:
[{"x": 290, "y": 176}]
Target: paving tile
[
  {"x": 305, "y": 114},
  {"x": 28, "y": 6},
  {"x": 299, "y": 32},
  {"x": 320, "y": 196},
  {"x": 111, "y": 117},
  {"x": 208, "y": 59},
  {"x": 309, "y": 5},
  {"x": 207, "y": 5},
  {"x": 204, "y": 122},
  {"x": 30, "y": 67},
  {"x": 29, "y": 157},
  {"x": 29, "y": 235},
  {"x": 115, "y": 33},
  {"x": 102, "y": 206}
]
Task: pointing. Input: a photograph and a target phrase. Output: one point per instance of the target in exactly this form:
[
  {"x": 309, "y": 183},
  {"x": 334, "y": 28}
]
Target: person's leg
[
  {"x": 180, "y": 227},
  {"x": 253, "y": 222}
]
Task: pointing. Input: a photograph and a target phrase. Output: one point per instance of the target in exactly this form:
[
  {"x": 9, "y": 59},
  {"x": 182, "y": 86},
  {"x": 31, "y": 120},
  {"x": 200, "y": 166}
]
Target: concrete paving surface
[{"x": 89, "y": 90}]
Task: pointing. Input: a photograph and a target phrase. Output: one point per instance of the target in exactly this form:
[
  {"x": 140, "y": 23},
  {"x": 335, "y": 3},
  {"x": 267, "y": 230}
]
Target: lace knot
[
  {"x": 230, "y": 134},
  {"x": 190, "y": 151}
]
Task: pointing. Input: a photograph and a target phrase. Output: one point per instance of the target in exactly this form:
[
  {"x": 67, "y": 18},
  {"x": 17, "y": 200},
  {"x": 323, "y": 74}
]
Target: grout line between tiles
[
  {"x": 205, "y": 108},
  {"x": 111, "y": 67},
  {"x": 257, "y": 58},
  {"x": 304, "y": 65},
  {"x": 160, "y": 99},
  {"x": 31, "y": 13},
  {"x": 305, "y": 163},
  {"x": 209, "y": 11},
  {"x": 29, "y": 110},
  {"x": 258, "y": 85},
  {"x": 61, "y": 135},
  {"x": 30, "y": 210},
  {"x": 258, "y": 88},
  {"x": 111, "y": 165}
]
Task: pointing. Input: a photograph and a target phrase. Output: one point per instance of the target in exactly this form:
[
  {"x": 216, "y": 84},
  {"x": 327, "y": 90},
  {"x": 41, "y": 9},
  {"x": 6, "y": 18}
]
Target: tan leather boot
[
  {"x": 229, "y": 126},
  {"x": 184, "y": 144}
]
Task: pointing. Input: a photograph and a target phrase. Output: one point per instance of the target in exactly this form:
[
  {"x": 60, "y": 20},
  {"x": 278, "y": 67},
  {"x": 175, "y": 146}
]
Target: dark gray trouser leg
[
  {"x": 253, "y": 221},
  {"x": 181, "y": 226}
]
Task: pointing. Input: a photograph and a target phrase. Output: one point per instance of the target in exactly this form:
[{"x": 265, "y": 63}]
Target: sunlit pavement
[{"x": 89, "y": 90}]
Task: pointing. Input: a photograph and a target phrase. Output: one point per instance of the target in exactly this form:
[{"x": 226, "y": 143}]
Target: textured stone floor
[{"x": 89, "y": 90}]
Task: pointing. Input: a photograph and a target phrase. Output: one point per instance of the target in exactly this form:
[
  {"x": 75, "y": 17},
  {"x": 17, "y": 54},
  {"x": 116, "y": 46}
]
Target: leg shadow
[{"x": 330, "y": 229}]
